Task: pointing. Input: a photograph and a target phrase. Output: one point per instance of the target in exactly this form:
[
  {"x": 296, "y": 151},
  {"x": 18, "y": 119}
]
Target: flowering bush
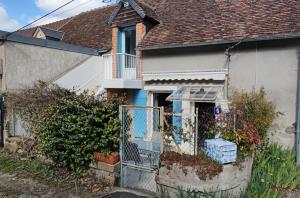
[
  {"x": 246, "y": 122},
  {"x": 256, "y": 110}
]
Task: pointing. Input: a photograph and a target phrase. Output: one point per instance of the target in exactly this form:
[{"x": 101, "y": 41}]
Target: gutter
[
  {"x": 50, "y": 44},
  {"x": 298, "y": 112},
  {"x": 102, "y": 51},
  {"x": 220, "y": 42}
]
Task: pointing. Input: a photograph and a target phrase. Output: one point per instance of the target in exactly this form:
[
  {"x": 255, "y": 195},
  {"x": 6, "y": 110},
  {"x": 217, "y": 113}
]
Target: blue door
[{"x": 140, "y": 114}]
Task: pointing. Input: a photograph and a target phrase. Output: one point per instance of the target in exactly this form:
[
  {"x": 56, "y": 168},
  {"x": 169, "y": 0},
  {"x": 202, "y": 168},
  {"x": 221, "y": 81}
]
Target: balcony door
[{"x": 127, "y": 52}]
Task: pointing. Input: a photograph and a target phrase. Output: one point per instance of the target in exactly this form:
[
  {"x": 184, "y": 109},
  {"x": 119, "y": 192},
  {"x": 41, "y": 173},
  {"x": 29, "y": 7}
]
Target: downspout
[{"x": 298, "y": 111}]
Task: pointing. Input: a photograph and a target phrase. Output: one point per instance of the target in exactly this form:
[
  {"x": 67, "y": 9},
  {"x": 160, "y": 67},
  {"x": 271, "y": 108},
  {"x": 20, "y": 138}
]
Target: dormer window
[
  {"x": 128, "y": 39},
  {"x": 49, "y": 34},
  {"x": 129, "y": 21}
]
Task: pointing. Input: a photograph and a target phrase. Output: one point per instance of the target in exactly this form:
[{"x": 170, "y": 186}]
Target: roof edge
[
  {"x": 261, "y": 38},
  {"x": 49, "y": 29},
  {"x": 133, "y": 5},
  {"x": 50, "y": 44}
]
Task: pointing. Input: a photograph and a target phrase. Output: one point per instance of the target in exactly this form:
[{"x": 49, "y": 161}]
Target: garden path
[{"x": 12, "y": 186}]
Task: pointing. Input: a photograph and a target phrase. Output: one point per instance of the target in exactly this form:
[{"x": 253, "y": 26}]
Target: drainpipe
[{"x": 298, "y": 112}]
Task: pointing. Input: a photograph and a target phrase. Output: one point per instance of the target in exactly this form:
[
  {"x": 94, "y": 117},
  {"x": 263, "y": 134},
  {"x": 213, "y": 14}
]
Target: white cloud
[
  {"x": 7, "y": 23},
  {"x": 44, "y": 20},
  {"x": 70, "y": 10}
]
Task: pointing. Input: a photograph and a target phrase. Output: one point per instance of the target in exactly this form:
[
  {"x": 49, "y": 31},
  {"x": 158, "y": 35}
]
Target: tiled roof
[
  {"x": 195, "y": 21},
  {"x": 54, "y": 26},
  {"x": 189, "y": 22},
  {"x": 88, "y": 29},
  {"x": 147, "y": 8}
]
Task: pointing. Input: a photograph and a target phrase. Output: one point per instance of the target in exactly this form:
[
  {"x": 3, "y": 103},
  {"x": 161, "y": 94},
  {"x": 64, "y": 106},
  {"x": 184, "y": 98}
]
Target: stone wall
[
  {"x": 234, "y": 179},
  {"x": 110, "y": 173}
]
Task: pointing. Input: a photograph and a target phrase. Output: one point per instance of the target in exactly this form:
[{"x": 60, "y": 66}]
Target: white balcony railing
[{"x": 123, "y": 64}]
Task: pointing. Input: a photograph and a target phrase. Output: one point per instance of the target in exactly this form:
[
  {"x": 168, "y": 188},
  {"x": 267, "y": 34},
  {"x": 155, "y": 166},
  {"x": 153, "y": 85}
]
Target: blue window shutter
[
  {"x": 140, "y": 114},
  {"x": 177, "y": 120},
  {"x": 119, "y": 58}
]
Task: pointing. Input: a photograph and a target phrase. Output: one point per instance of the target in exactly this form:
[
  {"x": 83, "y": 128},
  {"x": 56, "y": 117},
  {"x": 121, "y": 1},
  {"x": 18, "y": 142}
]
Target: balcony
[{"x": 120, "y": 71}]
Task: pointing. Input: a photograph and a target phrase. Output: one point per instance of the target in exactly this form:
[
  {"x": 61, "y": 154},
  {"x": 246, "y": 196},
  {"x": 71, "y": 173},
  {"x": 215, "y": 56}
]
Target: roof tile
[
  {"x": 188, "y": 22},
  {"x": 195, "y": 21}
]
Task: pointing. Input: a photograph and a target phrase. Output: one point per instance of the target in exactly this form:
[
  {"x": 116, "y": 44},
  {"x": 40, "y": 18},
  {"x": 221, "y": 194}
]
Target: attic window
[{"x": 49, "y": 34}]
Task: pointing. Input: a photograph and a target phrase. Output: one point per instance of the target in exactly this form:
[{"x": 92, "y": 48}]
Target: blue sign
[{"x": 217, "y": 110}]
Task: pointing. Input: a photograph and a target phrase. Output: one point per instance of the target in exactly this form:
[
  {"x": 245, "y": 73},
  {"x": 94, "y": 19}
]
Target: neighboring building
[
  {"x": 25, "y": 60},
  {"x": 174, "y": 48}
]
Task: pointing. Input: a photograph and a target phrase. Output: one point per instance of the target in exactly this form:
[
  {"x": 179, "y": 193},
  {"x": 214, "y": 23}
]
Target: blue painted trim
[
  {"x": 140, "y": 114},
  {"x": 120, "y": 50},
  {"x": 140, "y": 98},
  {"x": 177, "y": 120}
]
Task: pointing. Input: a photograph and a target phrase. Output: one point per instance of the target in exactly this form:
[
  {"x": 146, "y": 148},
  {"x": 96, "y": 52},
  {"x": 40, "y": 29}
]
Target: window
[{"x": 130, "y": 41}]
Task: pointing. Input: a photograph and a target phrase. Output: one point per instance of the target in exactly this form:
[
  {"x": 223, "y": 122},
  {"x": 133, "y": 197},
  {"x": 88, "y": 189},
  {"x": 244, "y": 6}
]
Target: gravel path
[
  {"x": 14, "y": 187},
  {"x": 11, "y": 186}
]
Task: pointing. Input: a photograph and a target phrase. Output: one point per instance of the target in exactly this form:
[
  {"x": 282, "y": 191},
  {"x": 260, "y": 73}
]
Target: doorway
[
  {"x": 159, "y": 100},
  {"x": 205, "y": 115},
  {"x": 130, "y": 40}
]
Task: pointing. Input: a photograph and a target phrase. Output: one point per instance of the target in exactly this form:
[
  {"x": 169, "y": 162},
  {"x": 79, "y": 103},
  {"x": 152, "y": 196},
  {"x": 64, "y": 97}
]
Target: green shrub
[
  {"x": 78, "y": 125},
  {"x": 274, "y": 172}
]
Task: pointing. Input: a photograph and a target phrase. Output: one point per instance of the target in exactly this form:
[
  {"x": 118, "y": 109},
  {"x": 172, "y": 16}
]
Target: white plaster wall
[
  {"x": 183, "y": 61},
  {"x": 86, "y": 76},
  {"x": 26, "y": 64},
  {"x": 274, "y": 68}
]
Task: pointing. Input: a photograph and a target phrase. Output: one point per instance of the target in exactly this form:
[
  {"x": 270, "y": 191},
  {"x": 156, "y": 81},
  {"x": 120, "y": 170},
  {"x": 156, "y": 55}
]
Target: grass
[
  {"x": 48, "y": 174},
  {"x": 181, "y": 193}
]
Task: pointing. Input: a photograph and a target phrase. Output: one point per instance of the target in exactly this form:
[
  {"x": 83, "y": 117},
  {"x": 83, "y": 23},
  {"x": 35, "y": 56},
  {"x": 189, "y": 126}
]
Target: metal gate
[
  {"x": 141, "y": 146},
  {"x": 1, "y": 121}
]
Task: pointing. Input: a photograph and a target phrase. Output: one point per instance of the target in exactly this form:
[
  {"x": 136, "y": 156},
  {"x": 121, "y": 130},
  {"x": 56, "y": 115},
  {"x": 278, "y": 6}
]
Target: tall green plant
[{"x": 274, "y": 172}]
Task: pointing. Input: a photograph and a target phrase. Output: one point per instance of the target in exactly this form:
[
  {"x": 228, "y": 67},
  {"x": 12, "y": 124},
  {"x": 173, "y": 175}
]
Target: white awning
[
  {"x": 201, "y": 93},
  {"x": 217, "y": 74}
]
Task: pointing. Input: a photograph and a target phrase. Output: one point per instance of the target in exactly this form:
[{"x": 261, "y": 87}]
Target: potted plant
[{"x": 112, "y": 158}]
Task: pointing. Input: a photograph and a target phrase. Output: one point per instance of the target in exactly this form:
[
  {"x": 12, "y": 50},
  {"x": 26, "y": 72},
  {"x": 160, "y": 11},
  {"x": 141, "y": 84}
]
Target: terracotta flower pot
[{"x": 109, "y": 159}]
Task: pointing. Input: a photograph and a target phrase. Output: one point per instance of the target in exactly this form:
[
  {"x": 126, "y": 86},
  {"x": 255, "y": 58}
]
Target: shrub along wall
[{"x": 68, "y": 127}]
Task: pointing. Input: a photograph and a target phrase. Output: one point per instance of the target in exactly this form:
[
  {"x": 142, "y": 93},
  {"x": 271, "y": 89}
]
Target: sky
[{"x": 17, "y": 13}]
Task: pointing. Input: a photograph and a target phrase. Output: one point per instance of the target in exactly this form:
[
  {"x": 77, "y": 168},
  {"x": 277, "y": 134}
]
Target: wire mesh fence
[
  {"x": 180, "y": 132},
  {"x": 148, "y": 131},
  {"x": 190, "y": 133},
  {"x": 214, "y": 124},
  {"x": 141, "y": 145}
]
